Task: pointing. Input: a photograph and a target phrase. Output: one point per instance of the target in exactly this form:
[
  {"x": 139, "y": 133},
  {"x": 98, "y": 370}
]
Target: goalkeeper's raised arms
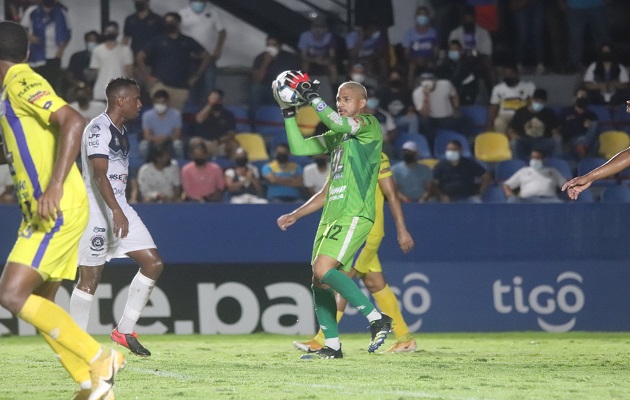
[{"x": 301, "y": 82}]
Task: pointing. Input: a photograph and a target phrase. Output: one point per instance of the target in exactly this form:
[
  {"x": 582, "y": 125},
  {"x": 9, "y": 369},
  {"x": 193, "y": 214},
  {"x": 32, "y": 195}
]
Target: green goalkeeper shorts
[{"x": 341, "y": 239}]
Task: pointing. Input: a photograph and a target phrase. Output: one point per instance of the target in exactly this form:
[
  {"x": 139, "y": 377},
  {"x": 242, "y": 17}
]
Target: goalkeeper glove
[
  {"x": 288, "y": 110},
  {"x": 302, "y": 84}
]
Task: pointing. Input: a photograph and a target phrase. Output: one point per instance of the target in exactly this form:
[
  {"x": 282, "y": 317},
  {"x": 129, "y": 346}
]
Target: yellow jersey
[
  {"x": 384, "y": 171},
  {"x": 31, "y": 141}
]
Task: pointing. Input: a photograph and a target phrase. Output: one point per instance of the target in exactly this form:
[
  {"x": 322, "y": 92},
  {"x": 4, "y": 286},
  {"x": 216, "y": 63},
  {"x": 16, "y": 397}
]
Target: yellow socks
[
  {"x": 386, "y": 300},
  {"x": 54, "y": 321},
  {"x": 78, "y": 369}
]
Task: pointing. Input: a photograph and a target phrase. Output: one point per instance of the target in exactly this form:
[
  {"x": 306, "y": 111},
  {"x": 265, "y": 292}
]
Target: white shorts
[{"x": 99, "y": 245}]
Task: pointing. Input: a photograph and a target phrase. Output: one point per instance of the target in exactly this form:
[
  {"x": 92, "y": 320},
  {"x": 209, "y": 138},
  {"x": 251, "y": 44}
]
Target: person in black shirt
[
  {"x": 216, "y": 126},
  {"x": 579, "y": 126},
  {"x": 78, "y": 73},
  {"x": 141, "y": 26}
]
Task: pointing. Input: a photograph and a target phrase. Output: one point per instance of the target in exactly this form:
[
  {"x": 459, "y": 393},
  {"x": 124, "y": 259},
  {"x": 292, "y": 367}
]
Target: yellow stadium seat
[
  {"x": 492, "y": 147},
  {"x": 612, "y": 142},
  {"x": 254, "y": 145},
  {"x": 429, "y": 162},
  {"x": 307, "y": 119}
]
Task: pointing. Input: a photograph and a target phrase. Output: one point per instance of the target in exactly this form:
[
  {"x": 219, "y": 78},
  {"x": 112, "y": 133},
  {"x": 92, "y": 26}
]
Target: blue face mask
[
  {"x": 372, "y": 103},
  {"x": 422, "y": 20},
  {"x": 536, "y": 106},
  {"x": 198, "y": 6},
  {"x": 453, "y": 55}
]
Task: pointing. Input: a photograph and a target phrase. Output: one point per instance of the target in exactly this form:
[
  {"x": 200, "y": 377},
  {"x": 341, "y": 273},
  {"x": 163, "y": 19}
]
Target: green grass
[{"x": 446, "y": 366}]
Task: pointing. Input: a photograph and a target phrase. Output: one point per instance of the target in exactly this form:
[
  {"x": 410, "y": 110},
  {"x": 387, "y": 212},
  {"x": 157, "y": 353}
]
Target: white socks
[
  {"x": 332, "y": 343},
  {"x": 139, "y": 293},
  {"x": 80, "y": 303},
  {"x": 374, "y": 315}
]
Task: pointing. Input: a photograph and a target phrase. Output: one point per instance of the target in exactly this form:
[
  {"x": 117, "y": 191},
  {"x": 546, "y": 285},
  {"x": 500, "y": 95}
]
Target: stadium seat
[
  {"x": 588, "y": 164},
  {"x": 307, "y": 119},
  {"x": 506, "y": 168},
  {"x": 477, "y": 115},
  {"x": 561, "y": 165},
  {"x": 429, "y": 162},
  {"x": 442, "y": 138},
  {"x": 492, "y": 147},
  {"x": 423, "y": 146},
  {"x": 254, "y": 145},
  {"x": 612, "y": 142},
  {"x": 604, "y": 116},
  {"x": 584, "y": 197},
  {"x": 621, "y": 118},
  {"x": 268, "y": 116},
  {"x": 616, "y": 194},
  {"x": 240, "y": 115},
  {"x": 493, "y": 194}
]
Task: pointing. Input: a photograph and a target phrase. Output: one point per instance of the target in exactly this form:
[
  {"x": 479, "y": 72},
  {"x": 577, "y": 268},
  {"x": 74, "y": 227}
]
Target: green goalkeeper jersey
[{"x": 355, "y": 147}]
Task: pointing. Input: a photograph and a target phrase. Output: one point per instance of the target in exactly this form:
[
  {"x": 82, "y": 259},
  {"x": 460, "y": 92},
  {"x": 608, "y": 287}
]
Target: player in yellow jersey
[
  {"x": 368, "y": 266},
  {"x": 41, "y": 136}
]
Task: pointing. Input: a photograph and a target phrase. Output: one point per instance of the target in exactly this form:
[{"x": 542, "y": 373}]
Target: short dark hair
[
  {"x": 13, "y": 42},
  {"x": 540, "y": 93},
  {"x": 92, "y": 33},
  {"x": 161, "y": 94},
  {"x": 173, "y": 15},
  {"x": 456, "y": 143},
  {"x": 283, "y": 145},
  {"x": 115, "y": 85},
  {"x": 219, "y": 92}
]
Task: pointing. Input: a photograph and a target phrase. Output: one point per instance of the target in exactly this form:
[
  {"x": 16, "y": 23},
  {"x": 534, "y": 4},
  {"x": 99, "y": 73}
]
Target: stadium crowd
[{"x": 460, "y": 121}]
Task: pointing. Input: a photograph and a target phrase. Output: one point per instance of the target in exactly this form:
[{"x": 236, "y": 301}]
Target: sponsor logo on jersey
[
  {"x": 28, "y": 87},
  {"x": 97, "y": 229},
  {"x": 38, "y": 95},
  {"x": 320, "y": 107},
  {"x": 118, "y": 177},
  {"x": 336, "y": 118}
]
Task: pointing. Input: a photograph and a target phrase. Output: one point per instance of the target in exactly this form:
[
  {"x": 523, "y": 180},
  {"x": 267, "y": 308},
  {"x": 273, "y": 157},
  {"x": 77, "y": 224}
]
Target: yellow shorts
[
  {"x": 51, "y": 248},
  {"x": 367, "y": 259}
]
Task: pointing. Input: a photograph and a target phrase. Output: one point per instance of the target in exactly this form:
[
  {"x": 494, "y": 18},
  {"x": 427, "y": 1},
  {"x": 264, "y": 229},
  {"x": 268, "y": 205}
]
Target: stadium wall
[{"x": 487, "y": 267}]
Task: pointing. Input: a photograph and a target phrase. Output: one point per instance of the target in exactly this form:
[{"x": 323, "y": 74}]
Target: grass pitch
[{"x": 446, "y": 366}]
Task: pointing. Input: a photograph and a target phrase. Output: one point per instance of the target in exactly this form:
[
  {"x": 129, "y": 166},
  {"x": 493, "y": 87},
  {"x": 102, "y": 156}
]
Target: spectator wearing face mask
[
  {"x": 158, "y": 179},
  {"x": 202, "y": 180},
  {"x": 243, "y": 181},
  {"x": 78, "y": 73},
  {"x": 395, "y": 97},
  {"x": 388, "y": 125},
  {"x": 457, "y": 178},
  {"x": 110, "y": 60},
  {"x": 606, "y": 80},
  {"x": 216, "y": 126},
  {"x": 84, "y": 104},
  {"x": 369, "y": 46},
  {"x": 412, "y": 178},
  {"x": 535, "y": 127},
  {"x": 284, "y": 178},
  {"x": 420, "y": 45},
  {"x": 507, "y": 97},
  {"x": 162, "y": 124},
  {"x": 460, "y": 68},
  {"x": 535, "y": 183},
  {"x": 316, "y": 174},
  {"x": 318, "y": 48},
  {"x": 141, "y": 26},
  {"x": 579, "y": 127}
]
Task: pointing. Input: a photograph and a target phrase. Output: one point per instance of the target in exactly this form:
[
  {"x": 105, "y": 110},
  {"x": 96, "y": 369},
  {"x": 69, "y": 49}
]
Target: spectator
[
  {"x": 535, "y": 127},
  {"x": 177, "y": 62},
  {"x": 396, "y": 99},
  {"x": 6, "y": 185},
  {"x": 507, "y": 97},
  {"x": 412, "y": 178},
  {"x": 267, "y": 66},
  {"x": 49, "y": 34},
  {"x": 284, "y": 178},
  {"x": 369, "y": 46},
  {"x": 316, "y": 174},
  {"x": 606, "y": 80},
  {"x": 84, "y": 104},
  {"x": 158, "y": 179},
  {"x": 477, "y": 44},
  {"x": 358, "y": 73},
  {"x": 583, "y": 15},
  {"x": 318, "y": 49},
  {"x": 445, "y": 17},
  {"x": 141, "y": 26},
  {"x": 205, "y": 25},
  {"x": 388, "y": 126},
  {"x": 216, "y": 126},
  {"x": 457, "y": 178},
  {"x": 437, "y": 102},
  {"x": 162, "y": 125},
  {"x": 202, "y": 180},
  {"x": 529, "y": 16},
  {"x": 243, "y": 181},
  {"x": 110, "y": 60},
  {"x": 536, "y": 183},
  {"x": 579, "y": 126},
  {"x": 78, "y": 73},
  {"x": 421, "y": 45},
  {"x": 461, "y": 69}
]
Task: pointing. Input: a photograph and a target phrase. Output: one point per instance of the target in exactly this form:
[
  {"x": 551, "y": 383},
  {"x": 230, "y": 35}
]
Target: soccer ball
[{"x": 285, "y": 92}]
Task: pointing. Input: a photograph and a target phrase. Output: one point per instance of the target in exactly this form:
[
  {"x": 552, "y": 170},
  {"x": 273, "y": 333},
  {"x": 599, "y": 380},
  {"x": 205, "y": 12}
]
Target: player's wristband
[{"x": 288, "y": 112}]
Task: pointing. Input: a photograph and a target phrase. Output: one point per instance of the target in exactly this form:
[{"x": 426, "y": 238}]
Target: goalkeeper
[{"x": 354, "y": 142}]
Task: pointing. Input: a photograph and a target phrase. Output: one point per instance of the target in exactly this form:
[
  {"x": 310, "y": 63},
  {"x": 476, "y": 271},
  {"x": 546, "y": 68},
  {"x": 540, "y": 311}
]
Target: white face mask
[
  {"x": 536, "y": 164},
  {"x": 360, "y": 78},
  {"x": 160, "y": 108},
  {"x": 272, "y": 50},
  {"x": 451, "y": 155}
]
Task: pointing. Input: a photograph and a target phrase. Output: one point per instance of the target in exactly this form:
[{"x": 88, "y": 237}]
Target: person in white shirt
[
  {"x": 110, "y": 60},
  {"x": 159, "y": 179},
  {"x": 536, "y": 183},
  {"x": 507, "y": 97},
  {"x": 204, "y": 24},
  {"x": 316, "y": 173}
]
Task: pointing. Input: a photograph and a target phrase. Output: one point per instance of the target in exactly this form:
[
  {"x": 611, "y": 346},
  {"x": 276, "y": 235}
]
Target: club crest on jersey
[
  {"x": 95, "y": 128},
  {"x": 97, "y": 243}
]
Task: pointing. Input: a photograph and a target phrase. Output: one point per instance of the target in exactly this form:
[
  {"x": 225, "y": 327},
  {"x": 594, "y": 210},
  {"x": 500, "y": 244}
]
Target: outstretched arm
[
  {"x": 615, "y": 165},
  {"x": 313, "y": 204},
  {"x": 405, "y": 241}
]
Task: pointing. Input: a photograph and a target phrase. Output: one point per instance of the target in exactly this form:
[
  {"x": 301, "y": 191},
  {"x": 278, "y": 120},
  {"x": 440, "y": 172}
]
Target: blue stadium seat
[
  {"x": 561, "y": 165},
  {"x": 584, "y": 197},
  {"x": 477, "y": 114},
  {"x": 443, "y": 136},
  {"x": 494, "y": 194},
  {"x": 240, "y": 115},
  {"x": 616, "y": 194},
  {"x": 507, "y": 168},
  {"x": 588, "y": 164},
  {"x": 604, "y": 116},
  {"x": 268, "y": 115},
  {"x": 424, "y": 151}
]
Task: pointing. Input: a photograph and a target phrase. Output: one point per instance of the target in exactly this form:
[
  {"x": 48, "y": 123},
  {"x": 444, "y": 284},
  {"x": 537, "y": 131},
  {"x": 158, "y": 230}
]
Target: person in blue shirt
[
  {"x": 162, "y": 124},
  {"x": 421, "y": 45},
  {"x": 284, "y": 178}
]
